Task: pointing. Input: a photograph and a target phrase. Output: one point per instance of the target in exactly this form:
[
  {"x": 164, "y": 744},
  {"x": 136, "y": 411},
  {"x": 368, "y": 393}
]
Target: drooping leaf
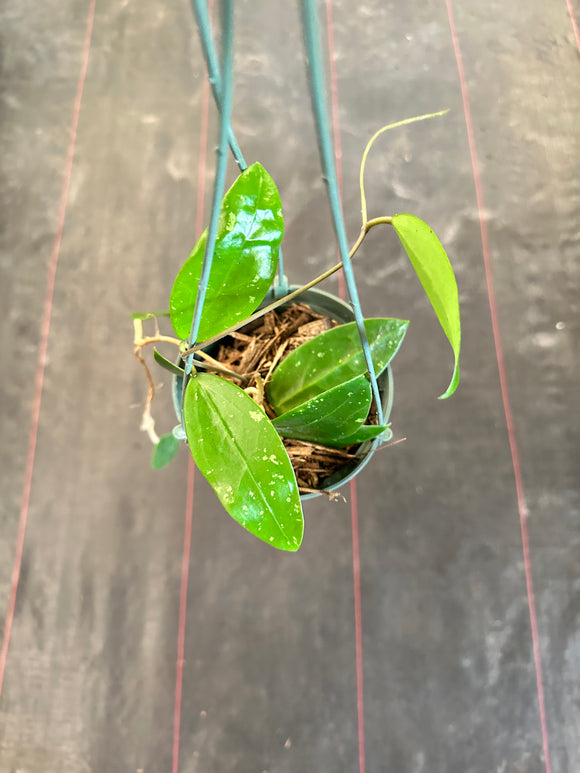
[
  {"x": 434, "y": 270},
  {"x": 250, "y": 230},
  {"x": 332, "y": 358},
  {"x": 143, "y": 315},
  {"x": 242, "y": 457},
  {"x": 333, "y": 414},
  {"x": 167, "y": 364},
  {"x": 366, "y": 432},
  {"x": 164, "y": 451}
]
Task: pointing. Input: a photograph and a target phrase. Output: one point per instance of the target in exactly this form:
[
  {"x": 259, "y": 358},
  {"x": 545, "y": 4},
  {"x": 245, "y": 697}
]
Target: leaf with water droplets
[
  {"x": 332, "y": 358},
  {"x": 329, "y": 416},
  {"x": 246, "y": 256},
  {"x": 361, "y": 435},
  {"x": 242, "y": 457}
]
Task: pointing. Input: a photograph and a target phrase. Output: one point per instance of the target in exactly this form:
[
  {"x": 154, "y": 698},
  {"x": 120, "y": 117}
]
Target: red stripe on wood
[
  {"x": 43, "y": 343},
  {"x": 353, "y": 488},
  {"x": 182, "y": 613},
  {"x": 574, "y": 23},
  {"x": 181, "y": 625},
  {"x": 360, "y": 700},
  {"x": 520, "y": 494}
]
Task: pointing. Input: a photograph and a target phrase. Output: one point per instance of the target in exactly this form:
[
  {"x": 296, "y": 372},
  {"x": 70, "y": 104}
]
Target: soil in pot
[{"x": 257, "y": 349}]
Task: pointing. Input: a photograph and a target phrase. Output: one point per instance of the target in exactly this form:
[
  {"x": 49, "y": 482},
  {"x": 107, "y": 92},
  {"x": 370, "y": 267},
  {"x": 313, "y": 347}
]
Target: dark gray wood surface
[{"x": 269, "y": 678}]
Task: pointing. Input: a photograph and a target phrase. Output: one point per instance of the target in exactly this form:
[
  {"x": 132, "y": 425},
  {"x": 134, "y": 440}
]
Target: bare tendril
[
  {"x": 139, "y": 341},
  {"x": 370, "y": 143}
]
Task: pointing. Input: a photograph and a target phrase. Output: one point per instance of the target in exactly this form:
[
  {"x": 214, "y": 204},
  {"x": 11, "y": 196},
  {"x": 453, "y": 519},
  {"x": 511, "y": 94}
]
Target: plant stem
[
  {"x": 159, "y": 339},
  {"x": 294, "y": 294},
  {"x": 211, "y": 364},
  {"x": 363, "y": 200}
]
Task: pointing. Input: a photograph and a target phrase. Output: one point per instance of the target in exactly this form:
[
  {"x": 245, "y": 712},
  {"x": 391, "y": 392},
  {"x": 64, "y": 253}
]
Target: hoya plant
[{"x": 238, "y": 423}]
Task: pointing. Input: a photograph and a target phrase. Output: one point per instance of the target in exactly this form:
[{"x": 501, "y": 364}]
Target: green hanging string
[
  {"x": 221, "y": 168},
  {"x": 317, "y": 93},
  {"x": 201, "y": 14}
]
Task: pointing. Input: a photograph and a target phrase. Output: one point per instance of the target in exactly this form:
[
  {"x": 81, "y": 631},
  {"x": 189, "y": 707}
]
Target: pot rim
[{"x": 328, "y": 304}]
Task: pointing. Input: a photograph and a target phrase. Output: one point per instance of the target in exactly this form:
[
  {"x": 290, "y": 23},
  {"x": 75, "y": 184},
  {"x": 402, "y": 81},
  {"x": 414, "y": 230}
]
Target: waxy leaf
[
  {"x": 164, "y": 451},
  {"x": 167, "y": 364},
  {"x": 242, "y": 457},
  {"x": 434, "y": 270},
  {"x": 250, "y": 230},
  {"x": 333, "y": 414},
  {"x": 366, "y": 432},
  {"x": 332, "y": 358}
]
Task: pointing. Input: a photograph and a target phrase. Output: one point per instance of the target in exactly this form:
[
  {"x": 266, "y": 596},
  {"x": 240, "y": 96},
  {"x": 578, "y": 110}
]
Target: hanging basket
[{"x": 338, "y": 310}]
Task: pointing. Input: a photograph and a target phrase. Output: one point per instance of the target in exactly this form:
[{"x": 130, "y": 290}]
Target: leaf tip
[{"x": 453, "y": 385}]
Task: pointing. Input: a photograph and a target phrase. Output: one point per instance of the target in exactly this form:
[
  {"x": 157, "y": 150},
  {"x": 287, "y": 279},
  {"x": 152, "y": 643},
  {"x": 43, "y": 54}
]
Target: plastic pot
[{"x": 341, "y": 312}]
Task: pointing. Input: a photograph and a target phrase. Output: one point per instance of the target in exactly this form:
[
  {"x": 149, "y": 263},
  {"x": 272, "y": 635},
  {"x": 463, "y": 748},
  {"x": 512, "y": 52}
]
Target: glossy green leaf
[
  {"x": 250, "y": 230},
  {"x": 434, "y": 270},
  {"x": 366, "y": 432},
  {"x": 242, "y": 457},
  {"x": 330, "y": 415},
  {"x": 332, "y": 358},
  {"x": 164, "y": 451},
  {"x": 167, "y": 364}
]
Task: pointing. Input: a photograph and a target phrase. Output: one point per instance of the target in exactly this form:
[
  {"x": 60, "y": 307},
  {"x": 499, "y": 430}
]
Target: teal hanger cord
[
  {"x": 222, "y": 88},
  {"x": 319, "y": 107},
  {"x": 201, "y": 14}
]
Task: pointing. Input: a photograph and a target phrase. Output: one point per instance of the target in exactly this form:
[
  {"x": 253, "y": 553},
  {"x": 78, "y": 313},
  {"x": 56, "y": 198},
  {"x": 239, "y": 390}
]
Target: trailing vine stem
[
  {"x": 386, "y": 220},
  {"x": 139, "y": 342},
  {"x": 370, "y": 143}
]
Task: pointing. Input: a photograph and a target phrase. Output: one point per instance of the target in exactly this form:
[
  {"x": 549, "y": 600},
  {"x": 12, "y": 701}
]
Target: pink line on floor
[
  {"x": 520, "y": 495},
  {"x": 43, "y": 344},
  {"x": 353, "y": 488},
  {"x": 182, "y": 613},
  {"x": 360, "y": 700},
  {"x": 574, "y": 23},
  {"x": 201, "y": 172}
]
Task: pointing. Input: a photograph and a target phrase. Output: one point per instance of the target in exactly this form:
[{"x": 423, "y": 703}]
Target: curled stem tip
[{"x": 370, "y": 143}]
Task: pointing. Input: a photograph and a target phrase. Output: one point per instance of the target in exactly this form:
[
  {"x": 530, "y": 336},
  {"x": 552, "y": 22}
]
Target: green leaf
[
  {"x": 434, "y": 270},
  {"x": 164, "y": 451},
  {"x": 242, "y": 457},
  {"x": 366, "y": 432},
  {"x": 250, "y": 230},
  {"x": 333, "y": 414},
  {"x": 332, "y": 358},
  {"x": 143, "y": 315},
  {"x": 167, "y": 364}
]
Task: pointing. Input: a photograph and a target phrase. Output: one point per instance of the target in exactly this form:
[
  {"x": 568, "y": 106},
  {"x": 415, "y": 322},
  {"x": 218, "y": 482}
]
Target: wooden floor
[{"x": 430, "y": 624}]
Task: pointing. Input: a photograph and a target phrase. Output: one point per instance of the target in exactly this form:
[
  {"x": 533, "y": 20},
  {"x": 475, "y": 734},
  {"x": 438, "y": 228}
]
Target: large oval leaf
[
  {"x": 250, "y": 230},
  {"x": 334, "y": 414},
  {"x": 362, "y": 434},
  {"x": 332, "y": 358},
  {"x": 434, "y": 270},
  {"x": 242, "y": 457}
]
